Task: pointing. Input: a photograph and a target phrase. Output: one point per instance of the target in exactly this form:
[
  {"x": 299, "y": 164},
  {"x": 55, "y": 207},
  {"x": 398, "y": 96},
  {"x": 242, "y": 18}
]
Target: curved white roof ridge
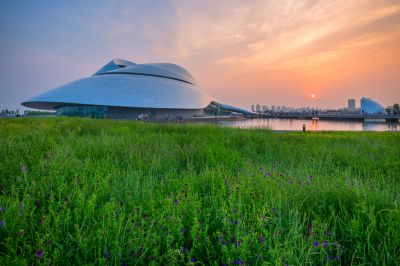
[
  {"x": 157, "y": 85},
  {"x": 173, "y": 67},
  {"x": 165, "y": 71},
  {"x": 116, "y": 63},
  {"x": 122, "y": 62}
]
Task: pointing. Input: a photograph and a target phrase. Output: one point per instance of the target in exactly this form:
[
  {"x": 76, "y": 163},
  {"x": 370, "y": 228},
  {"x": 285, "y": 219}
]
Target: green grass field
[{"x": 100, "y": 192}]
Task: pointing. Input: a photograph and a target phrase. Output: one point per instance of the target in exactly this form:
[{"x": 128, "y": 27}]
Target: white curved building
[
  {"x": 369, "y": 106},
  {"x": 122, "y": 89}
]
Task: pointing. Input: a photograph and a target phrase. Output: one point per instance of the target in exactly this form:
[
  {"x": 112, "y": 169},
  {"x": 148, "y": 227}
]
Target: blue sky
[
  {"x": 48, "y": 43},
  {"x": 240, "y": 52}
]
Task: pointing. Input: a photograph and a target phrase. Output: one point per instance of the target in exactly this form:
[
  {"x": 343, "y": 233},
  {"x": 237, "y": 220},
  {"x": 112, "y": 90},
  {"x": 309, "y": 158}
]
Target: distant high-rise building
[
  {"x": 252, "y": 108},
  {"x": 264, "y": 108},
  {"x": 351, "y": 104},
  {"x": 258, "y": 108},
  {"x": 278, "y": 108},
  {"x": 273, "y": 108}
]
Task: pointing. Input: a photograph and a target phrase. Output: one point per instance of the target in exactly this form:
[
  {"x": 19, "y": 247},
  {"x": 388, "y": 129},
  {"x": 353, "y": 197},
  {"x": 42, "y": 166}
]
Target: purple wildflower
[
  {"x": 337, "y": 258},
  {"x": 325, "y": 243},
  {"x": 198, "y": 211},
  {"x": 40, "y": 221},
  {"x": 328, "y": 257},
  {"x": 176, "y": 202},
  {"x": 140, "y": 252},
  {"x": 310, "y": 177},
  {"x": 262, "y": 239},
  {"x": 107, "y": 255},
  {"x": 316, "y": 244},
  {"x": 123, "y": 263},
  {"x": 183, "y": 230},
  {"x": 25, "y": 169},
  {"x": 1, "y": 209},
  {"x": 186, "y": 249},
  {"x": 234, "y": 211},
  {"x": 192, "y": 259},
  {"x": 40, "y": 253},
  {"x": 2, "y": 223},
  {"x": 329, "y": 233},
  {"x": 238, "y": 243},
  {"x": 21, "y": 205},
  {"x": 268, "y": 174},
  {"x": 223, "y": 242},
  {"x": 238, "y": 262},
  {"x": 236, "y": 222}
]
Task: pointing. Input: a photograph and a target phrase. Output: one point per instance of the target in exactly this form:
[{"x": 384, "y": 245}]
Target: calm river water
[{"x": 313, "y": 125}]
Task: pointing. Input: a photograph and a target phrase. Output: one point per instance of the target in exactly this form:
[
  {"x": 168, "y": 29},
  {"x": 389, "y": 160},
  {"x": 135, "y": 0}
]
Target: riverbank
[{"x": 80, "y": 191}]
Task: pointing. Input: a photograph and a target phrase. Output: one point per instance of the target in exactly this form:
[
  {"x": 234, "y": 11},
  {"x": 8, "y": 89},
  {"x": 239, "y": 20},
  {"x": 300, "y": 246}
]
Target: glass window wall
[{"x": 93, "y": 111}]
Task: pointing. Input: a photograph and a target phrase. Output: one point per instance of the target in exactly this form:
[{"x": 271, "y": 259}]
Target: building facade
[
  {"x": 123, "y": 89},
  {"x": 351, "y": 104},
  {"x": 368, "y": 106}
]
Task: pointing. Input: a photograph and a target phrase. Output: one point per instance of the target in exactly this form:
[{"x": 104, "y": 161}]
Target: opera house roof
[{"x": 126, "y": 84}]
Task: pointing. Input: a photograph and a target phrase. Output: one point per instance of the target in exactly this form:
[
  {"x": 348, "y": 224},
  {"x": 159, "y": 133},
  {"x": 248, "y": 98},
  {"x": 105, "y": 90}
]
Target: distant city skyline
[
  {"x": 288, "y": 53},
  {"x": 351, "y": 104}
]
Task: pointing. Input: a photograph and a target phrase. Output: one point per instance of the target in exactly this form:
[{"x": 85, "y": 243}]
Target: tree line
[{"x": 16, "y": 113}]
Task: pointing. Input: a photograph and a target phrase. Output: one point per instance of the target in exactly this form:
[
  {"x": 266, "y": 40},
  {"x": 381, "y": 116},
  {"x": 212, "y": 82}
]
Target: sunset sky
[{"x": 240, "y": 52}]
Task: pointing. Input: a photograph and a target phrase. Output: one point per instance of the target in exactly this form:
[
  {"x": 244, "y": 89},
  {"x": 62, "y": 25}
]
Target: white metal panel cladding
[
  {"x": 153, "y": 70},
  {"x": 148, "y": 86},
  {"x": 125, "y": 91},
  {"x": 156, "y": 69},
  {"x": 113, "y": 64}
]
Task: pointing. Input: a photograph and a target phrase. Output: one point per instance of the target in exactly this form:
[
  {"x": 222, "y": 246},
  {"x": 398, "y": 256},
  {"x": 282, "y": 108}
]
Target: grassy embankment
[{"x": 77, "y": 191}]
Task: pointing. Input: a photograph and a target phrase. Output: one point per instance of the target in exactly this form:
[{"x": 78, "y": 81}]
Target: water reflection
[
  {"x": 392, "y": 126},
  {"x": 312, "y": 125}
]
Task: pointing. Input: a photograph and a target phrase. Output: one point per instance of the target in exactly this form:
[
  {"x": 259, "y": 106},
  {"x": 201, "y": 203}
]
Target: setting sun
[{"x": 313, "y": 96}]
